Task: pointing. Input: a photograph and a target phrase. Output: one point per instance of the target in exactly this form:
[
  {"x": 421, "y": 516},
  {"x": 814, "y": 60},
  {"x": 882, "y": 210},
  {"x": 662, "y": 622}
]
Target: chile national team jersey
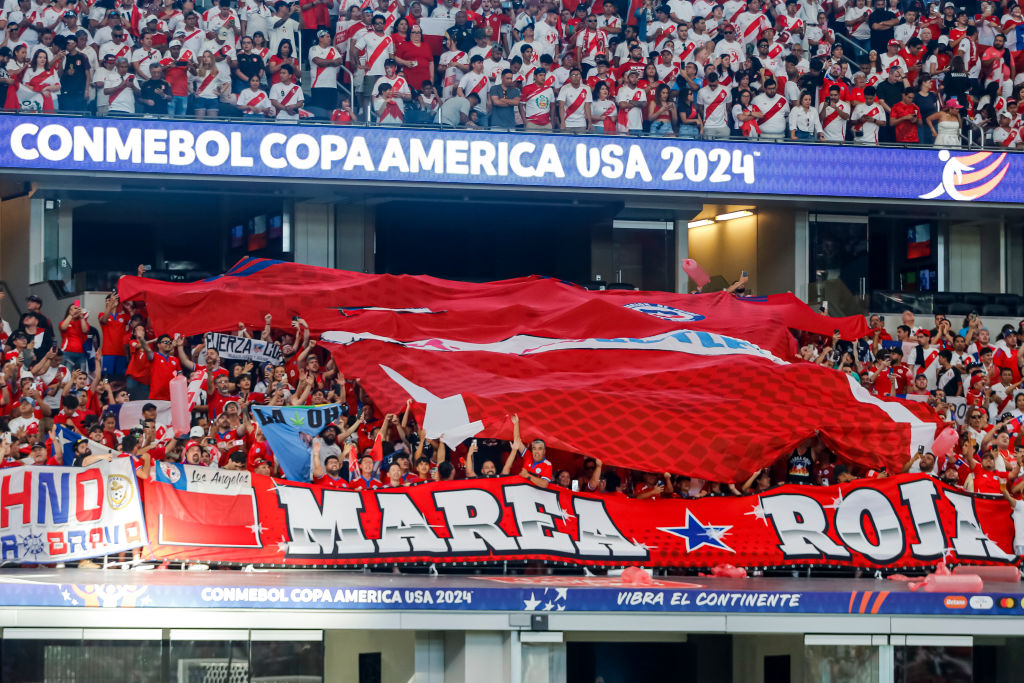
[{"x": 540, "y": 469}]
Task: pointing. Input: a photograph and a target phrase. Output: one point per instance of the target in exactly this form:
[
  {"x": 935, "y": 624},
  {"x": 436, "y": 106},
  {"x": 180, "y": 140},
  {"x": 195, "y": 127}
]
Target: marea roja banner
[
  {"x": 901, "y": 522},
  {"x": 64, "y": 514}
]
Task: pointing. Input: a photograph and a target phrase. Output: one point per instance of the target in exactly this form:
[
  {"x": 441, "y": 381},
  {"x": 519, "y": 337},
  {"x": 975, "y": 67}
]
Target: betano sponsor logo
[
  {"x": 970, "y": 177},
  {"x": 955, "y": 602}
]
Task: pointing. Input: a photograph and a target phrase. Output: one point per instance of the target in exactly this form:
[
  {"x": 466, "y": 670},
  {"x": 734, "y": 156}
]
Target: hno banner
[
  {"x": 61, "y": 514},
  {"x": 907, "y": 521}
]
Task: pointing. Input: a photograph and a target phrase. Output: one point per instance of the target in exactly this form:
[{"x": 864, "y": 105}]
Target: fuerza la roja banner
[{"x": 901, "y": 522}]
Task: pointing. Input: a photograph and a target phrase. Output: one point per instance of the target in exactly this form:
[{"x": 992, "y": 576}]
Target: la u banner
[
  {"x": 60, "y": 514},
  {"x": 900, "y": 522}
]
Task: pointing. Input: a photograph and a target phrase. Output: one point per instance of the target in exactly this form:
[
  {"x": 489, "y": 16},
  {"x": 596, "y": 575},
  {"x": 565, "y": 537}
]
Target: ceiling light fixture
[{"x": 734, "y": 214}]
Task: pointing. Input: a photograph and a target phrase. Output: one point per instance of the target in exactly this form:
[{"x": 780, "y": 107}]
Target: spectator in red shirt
[
  {"x": 329, "y": 473},
  {"x": 74, "y": 330},
  {"x": 114, "y": 325},
  {"x": 69, "y": 415},
  {"x": 986, "y": 478},
  {"x": 165, "y": 365},
  {"x": 904, "y": 117},
  {"x": 366, "y": 480},
  {"x": 536, "y": 467}
]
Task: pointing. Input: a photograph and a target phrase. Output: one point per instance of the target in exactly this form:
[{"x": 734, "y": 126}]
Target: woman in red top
[
  {"x": 400, "y": 33},
  {"x": 139, "y": 365},
  {"x": 416, "y": 59},
  {"x": 284, "y": 56},
  {"x": 649, "y": 83},
  {"x": 74, "y": 330},
  {"x": 661, "y": 110}
]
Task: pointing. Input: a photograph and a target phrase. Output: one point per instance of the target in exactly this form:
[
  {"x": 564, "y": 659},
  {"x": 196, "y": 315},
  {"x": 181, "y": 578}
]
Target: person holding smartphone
[{"x": 121, "y": 87}]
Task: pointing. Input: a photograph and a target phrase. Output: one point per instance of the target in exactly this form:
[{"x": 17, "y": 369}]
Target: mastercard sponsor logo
[
  {"x": 955, "y": 602},
  {"x": 1007, "y": 603}
]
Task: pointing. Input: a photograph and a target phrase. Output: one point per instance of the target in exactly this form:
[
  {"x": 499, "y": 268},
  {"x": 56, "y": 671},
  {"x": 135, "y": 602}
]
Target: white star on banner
[
  {"x": 564, "y": 514},
  {"x": 562, "y": 593},
  {"x": 67, "y": 596},
  {"x": 531, "y": 604},
  {"x": 256, "y": 528},
  {"x": 548, "y": 605},
  {"x": 640, "y": 544},
  {"x": 758, "y": 511},
  {"x": 836, "y": 502}
]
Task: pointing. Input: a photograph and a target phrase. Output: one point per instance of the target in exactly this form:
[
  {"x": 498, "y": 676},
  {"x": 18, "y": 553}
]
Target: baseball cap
[
  {"x": 111, "y": 57},
  {"x": 189, "y": 444},
  {"x": 259, "y": 461},
  {"x": 321, "y": 33},
  {"x": 893, "y": 42},
  {"x": 70, "y": 13},
  {"x": 948, "y": 4},
  {"x": 28, "y": 399},
  {"x": 39, "y": 444},
  {"x": 921, "y": 331},
  {"x": 174, "y": 43},
  {"x": 33, "y": 428},
  {"x": 727, "y": 27},
  {"x": 196, "y": 433},
  {"x": 954, "y": 103}
]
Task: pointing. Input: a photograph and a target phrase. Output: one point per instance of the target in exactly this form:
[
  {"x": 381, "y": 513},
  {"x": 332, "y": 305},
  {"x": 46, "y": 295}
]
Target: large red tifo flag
[
  {"x": 700, "y": 384},
  {"x": 699, "y": 403},
  {"x": 419, "y": 307}
]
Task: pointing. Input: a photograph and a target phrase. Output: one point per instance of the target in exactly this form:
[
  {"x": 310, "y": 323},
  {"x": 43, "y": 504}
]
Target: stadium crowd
[
  {"x": 864, "y": 71},
  {"x": 78, "y": 371}
]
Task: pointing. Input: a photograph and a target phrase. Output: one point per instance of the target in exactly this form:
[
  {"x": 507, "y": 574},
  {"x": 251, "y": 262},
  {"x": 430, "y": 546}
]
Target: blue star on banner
[{"x": 697, "y": 535}]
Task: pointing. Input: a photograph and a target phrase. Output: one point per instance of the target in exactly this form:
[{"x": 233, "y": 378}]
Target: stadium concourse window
[
  {"x": 230, "y": 225},
  {"x": 100, "y": 655},
  {"x": 852, "y": 258},
  {"x": 145, "y": 656}
]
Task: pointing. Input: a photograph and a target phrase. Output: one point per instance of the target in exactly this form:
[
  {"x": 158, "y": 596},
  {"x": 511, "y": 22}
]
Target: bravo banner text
[
  {"x": 901, "y": 522},
  {"x": 61, "y": 514}
]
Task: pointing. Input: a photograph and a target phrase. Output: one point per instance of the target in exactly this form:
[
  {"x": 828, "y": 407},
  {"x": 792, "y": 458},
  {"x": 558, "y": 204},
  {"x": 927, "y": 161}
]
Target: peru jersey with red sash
[{"x": 537, "y": 103}]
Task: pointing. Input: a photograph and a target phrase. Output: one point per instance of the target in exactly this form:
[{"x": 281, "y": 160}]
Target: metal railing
[
  {"x": 848, "y": 41},
  {"x": 437, "y": 125},
  {"x": 9, "y": 297}
]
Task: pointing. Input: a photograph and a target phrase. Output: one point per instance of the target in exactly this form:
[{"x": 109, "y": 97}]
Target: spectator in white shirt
[
  {"x": 804, "y": 123},
  {"x": 121, "y": 88}
]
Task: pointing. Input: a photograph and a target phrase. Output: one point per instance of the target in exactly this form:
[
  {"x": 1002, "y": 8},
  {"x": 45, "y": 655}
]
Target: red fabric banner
[
  {"x": 900, "y": 522},
  {"x": 694, "y": 384},
  {"x": 686, "y": 402},
  {"x": 412, "y": 307}
]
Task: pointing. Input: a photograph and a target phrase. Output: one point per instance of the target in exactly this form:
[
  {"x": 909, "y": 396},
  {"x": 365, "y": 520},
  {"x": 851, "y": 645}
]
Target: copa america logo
[{"x": 676, "y": 315}]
